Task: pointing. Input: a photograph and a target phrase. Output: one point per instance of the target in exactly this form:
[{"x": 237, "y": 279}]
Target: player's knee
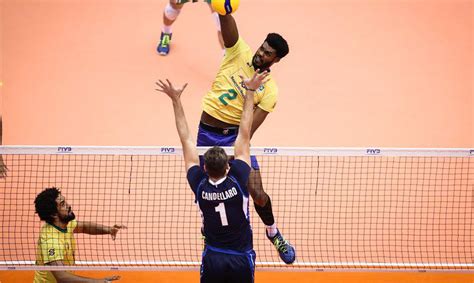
[{"x": 171, "y": 12}]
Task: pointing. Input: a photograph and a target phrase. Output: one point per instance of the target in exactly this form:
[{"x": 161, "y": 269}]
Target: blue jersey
[{"x": 224, "y": 207}]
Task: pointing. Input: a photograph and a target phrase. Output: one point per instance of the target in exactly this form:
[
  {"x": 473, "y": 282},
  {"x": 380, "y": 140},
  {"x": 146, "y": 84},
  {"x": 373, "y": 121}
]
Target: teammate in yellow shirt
[
  {"x": 56, "y": 244},
  {"x": 222, "y": 111},
  {"x": 225, "y": 100}
]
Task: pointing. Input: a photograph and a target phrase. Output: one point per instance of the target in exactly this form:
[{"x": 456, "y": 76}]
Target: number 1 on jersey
[{"x": 221, "y": 209}]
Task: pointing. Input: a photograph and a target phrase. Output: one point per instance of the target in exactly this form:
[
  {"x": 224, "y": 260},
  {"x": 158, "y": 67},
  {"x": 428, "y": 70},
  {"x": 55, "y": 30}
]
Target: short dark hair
[
  {"x": 45, "y": 204},
  {"x": 216, "y": 161},
  {"x": 278, "y": 43}
]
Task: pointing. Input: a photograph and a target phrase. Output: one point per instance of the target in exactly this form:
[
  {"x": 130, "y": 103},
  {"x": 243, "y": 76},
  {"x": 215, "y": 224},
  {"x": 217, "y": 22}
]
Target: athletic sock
[
  {"x": 167, "y": 29},
  {"x": 272, "y": 230}
]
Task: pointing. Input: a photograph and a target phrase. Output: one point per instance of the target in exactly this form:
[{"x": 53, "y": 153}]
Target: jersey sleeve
[
  {"x": 240, "y": 171},
  {"x": 194, "y": 176},
  {"x": 239, "y": 47},
  {"x": 269, "y": 99},
  {"x": 51, "y": 250}
]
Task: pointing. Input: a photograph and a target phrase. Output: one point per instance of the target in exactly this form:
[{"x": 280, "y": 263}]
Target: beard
[
  {"x": 69, "y": 217},
  {"x": 257, "y": 63}
]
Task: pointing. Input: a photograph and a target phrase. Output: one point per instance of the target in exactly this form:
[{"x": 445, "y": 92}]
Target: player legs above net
[{"x": 170, "y": 15}]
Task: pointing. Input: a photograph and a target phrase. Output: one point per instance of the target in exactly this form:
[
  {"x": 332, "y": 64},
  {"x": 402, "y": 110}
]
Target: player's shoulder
[
  {"x": 240, "y": 46},
  {"x": 48, "y": 233},
  {"x": 47, "y": 228},
  {"x": 272, "y": 82},
  {"x": 241, "y": 43},
  {"x": 239, "y": 165},
  {"x": 195, "y": 175},
  {"x": 72, "y": 225},
  {"x": 44, "y": 231},
  {"x": 195, "y": 170},
  {"x": 270, "y": 86}
]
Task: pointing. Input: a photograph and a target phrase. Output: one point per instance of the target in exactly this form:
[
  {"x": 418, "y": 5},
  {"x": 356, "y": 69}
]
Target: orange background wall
[
  {"x": 385, "y": 73},
  {"x": 359, "y": 73}
]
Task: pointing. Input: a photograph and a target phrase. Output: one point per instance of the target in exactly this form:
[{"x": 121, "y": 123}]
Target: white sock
[
  {"x": 272, "y": 230},
  {"x": 167, "y": 29}
]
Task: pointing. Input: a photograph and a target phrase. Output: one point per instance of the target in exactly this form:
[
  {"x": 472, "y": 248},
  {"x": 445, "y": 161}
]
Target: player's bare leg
[
  {"x": 263, "y": 206},
  {"x": 170, "y": 14}
]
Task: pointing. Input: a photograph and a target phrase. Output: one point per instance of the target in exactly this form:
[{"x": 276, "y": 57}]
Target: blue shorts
[
  {"x": 210, "y": 136},
  {"x": 224, "y": 266}
]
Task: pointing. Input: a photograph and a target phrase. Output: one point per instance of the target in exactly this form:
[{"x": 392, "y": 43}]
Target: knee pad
[
  {"x": 216, "y": 20},
  {"x": 265, "y": 212},
  {"x": 171, "y": 13}
]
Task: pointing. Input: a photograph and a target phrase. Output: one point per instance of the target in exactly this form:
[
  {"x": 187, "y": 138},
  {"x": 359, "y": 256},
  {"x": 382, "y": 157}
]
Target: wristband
[{"x": 244, "y": 86}]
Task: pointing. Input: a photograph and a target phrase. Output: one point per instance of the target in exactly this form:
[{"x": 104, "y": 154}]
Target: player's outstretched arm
[
  {"x": 65, "y": 277},
  {"x": 230, "y": 33},
  {"x": 92, "y": 228},
  {"x": 242, "y": 143},
  {"x": 190, "y": 153}
]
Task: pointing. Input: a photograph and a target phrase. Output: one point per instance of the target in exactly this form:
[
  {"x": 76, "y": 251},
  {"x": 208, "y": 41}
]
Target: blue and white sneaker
[
  {"x": 164, "y": 45},
  {"x": 284, "y": 248}
]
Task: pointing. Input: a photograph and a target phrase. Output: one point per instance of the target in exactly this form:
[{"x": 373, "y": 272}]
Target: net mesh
[{"x": 341, "y": 209}]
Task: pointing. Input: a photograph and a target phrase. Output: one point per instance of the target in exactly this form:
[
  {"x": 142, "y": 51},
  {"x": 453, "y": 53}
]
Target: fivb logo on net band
[
  {"x": 270, "y": 150},
  {"x": 168, "y": 150},
  {"x": 373, "y": 151},
  {"x": 471, "y": 152},
  {"x": 64, "y": 149}
]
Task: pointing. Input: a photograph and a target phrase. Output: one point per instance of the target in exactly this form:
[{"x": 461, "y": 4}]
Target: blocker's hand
[
  {"x": 256, "y": 81},
  {"x": 170, "y": 90},
  {"x": 114, "y": 230}
]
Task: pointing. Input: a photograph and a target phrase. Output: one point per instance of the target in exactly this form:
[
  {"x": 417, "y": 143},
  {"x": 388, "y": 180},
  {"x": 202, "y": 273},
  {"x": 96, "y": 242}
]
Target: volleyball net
[{"x": 342, "y": 208}]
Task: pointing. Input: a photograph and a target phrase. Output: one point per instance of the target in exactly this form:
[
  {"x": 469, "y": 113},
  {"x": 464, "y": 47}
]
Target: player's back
[{"x": 224, "y": 207}]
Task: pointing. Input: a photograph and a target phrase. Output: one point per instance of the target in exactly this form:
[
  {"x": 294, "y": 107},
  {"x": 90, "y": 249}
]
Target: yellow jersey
[
  {"x": 225, "y": 100},
  {"x": 54, "y": 244}
]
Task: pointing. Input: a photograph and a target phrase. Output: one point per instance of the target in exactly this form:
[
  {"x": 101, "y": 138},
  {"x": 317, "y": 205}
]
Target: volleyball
[{"x": 225, "y": 7}]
